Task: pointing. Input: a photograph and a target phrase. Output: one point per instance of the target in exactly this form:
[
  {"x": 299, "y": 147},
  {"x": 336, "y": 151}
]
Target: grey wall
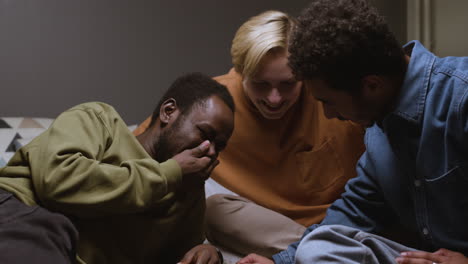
[
  {"x": 58, "y": 53},
  {"x": 449, "y": 27},
  {"x": 394, "y": 12}
]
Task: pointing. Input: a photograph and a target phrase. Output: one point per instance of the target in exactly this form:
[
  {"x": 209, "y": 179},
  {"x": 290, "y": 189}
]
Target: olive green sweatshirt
[{"x": 89, "y": 166}]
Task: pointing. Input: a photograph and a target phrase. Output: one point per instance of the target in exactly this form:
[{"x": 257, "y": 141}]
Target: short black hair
[
  {"x": 193, "y": 89},
  {"x": 341, "y": 41}
]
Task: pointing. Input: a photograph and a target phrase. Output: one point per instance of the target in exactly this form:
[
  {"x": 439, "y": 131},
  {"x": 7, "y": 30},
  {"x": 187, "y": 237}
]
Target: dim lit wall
[
  {"x": 440, "y": 25},
  {"x": 58, "y": 53},
  {"x": 449, "y": 27}
]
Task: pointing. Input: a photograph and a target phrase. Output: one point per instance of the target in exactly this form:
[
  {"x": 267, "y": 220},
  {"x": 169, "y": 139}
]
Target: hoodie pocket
[{"x": 320, "y": 168}]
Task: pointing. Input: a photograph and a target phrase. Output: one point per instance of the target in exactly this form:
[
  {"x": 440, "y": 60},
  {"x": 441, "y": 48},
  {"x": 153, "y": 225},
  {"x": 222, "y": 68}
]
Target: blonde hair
[{"x": 256, "y": 37}]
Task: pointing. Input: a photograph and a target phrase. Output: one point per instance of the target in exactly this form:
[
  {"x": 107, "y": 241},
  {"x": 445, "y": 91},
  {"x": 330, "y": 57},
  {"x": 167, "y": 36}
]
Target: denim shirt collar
[{"x": 415, "y": 85}]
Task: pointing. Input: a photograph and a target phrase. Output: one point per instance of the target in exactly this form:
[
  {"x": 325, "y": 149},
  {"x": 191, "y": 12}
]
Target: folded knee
[{"x": 224, "y": 204}]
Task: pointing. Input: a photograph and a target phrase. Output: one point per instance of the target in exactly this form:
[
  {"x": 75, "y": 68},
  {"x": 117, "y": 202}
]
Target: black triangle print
[
  {"x": 12, "y": 146},
  {"x": 4, "y": 124}
]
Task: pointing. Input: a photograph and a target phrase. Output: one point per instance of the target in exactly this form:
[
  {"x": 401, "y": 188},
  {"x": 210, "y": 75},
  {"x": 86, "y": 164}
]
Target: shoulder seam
[{"x": 97, "y": 113}]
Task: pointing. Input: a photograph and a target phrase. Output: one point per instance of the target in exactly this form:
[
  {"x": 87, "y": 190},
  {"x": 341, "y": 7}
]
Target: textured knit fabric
[{"x": 90, "y": 167}]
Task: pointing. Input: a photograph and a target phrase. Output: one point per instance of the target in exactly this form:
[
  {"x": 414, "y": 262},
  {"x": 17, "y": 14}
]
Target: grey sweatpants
[{"x": 346, "y": 245}]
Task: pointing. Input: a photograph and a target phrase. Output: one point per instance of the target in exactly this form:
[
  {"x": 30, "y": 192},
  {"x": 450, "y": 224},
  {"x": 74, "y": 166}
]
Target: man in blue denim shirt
[{"x": 414, "y": 173}]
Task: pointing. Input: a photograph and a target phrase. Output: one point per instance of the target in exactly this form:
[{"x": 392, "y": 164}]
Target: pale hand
[
  {"x": 441, "y": 256},
  {"x": 255, "y": 259}
]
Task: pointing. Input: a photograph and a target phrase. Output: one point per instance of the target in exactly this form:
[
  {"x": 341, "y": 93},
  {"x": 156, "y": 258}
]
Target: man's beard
[{"x": 165, "y": 145}]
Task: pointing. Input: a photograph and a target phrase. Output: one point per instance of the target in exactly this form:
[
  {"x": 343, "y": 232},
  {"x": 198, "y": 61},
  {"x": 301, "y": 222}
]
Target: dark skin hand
[
  {"x": 197, "y": 180},
  {"x": 441, "y": 256},
  {"x": 201, "y": 254},
  {"x": 205, "y": 173},
  {"x": 193, "y": 161}
]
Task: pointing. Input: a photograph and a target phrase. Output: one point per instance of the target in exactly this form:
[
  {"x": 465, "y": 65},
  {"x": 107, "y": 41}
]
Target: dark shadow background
[{"x": 58, "y": 53}]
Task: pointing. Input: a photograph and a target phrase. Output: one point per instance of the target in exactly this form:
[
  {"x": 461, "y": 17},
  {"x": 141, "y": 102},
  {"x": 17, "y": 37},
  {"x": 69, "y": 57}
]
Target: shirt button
[
  {"x": 417, "y": 183},
  {"x": 425, "y": 231}
]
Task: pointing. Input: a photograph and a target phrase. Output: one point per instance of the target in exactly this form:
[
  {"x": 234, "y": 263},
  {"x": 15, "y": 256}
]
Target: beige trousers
[{"x": 237, "y": 224}]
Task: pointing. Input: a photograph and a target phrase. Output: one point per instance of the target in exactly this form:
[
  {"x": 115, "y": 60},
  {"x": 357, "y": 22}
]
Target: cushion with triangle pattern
[{"x": 16, "y": 132}]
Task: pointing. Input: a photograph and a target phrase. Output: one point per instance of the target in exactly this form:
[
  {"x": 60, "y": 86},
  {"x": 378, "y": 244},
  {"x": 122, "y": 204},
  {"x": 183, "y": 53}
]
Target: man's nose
[{"x": 274, "y": 98}]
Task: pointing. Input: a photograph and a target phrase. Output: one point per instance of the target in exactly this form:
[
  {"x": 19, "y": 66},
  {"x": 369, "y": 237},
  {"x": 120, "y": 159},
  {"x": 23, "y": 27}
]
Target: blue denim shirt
[{"x": 415, "y": 168}]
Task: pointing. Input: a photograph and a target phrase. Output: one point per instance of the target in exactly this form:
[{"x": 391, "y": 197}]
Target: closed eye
[
  {"x": 203, "y": 134},
  {"x": 207, "y": 134}
]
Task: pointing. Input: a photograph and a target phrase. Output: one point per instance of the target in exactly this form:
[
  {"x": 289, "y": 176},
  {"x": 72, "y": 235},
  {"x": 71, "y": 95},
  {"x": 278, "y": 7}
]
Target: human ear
[{"x": 168, "y": 111}]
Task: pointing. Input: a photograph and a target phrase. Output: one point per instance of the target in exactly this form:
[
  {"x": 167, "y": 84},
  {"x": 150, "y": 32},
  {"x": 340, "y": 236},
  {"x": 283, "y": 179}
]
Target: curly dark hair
[
  {"x": 341, "y": 41},
  {"x": 193, "y": 89}
]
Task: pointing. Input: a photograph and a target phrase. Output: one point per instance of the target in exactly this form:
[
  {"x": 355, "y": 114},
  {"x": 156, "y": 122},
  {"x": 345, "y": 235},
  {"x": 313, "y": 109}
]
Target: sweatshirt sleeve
[{"x": 71, "y": 175}]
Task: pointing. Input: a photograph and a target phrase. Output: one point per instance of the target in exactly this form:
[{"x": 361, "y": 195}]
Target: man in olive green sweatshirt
[{"x": 131, "y": 199}]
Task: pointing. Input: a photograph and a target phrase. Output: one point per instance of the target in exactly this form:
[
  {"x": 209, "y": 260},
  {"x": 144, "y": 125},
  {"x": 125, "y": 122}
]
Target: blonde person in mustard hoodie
[{"x": 286, "y": 160}]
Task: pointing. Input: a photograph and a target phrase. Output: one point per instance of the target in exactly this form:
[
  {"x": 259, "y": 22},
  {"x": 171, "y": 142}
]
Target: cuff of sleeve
[
  {"x": 283, "y": 258},
  {"x": 173, "y": 173}
]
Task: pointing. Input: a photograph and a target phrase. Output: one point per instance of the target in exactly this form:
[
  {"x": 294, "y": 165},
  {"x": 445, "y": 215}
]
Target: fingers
[
  {"x": 205, "y": 172},
  {"x": 443, "y": 252},
  {"x": 194, "y": 257},
  {"x": 201, "y": 254},
  {"x": 214, "y": 261},
  {"x": 419, "y": 257},
  {"x": 202, "y": 258},
  {"x": 187, "y": 258},
  {"x": 401, "y": 260},
  {"x": 194, "y": 160},
  {"x": 243, "y": 261},
  {"x": 210, "y": 169},
  {"x": 253, "y": 258},
  {"x": 201, "y": 160},
  {"x": 201, "y": 149},
  {"x": 203, "y": 163},
  {"x": 424, "y": 255}
]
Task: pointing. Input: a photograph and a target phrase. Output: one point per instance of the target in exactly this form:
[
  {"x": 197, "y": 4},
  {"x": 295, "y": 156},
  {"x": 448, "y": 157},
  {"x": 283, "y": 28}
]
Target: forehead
[
  {"x": 274, "y": 65},
  {"x": 213, "y": 112}
]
